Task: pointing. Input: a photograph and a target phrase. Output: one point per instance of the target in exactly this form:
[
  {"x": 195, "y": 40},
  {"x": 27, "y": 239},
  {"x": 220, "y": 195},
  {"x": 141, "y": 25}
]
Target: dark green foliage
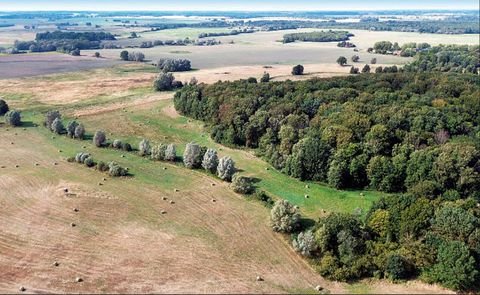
[
  {"x": 124, "y": 55},
  {"x": 455, "y": 267},
  {"x": 321, "y": 36},
  {"x": 366, "y": 69},
  {"x": 265, "y": 78},
  {"x": 454, "y": 223},
  {"x": 252, "y": 80},
  {"x": 50, "y": 117},
  {"x": 13, "y": 118},
  {"x": 297, "y": 70},
  {"x": 79, "y": 132},
  {"x": 397, "y": 267},
  {"x": 126, "y": 147},
  {"x": 71, "y": 126},
  {"x": 102, "y": 166},
  {"x": 398, "y": 125},
  {"x": 99, "y": 139},
  {"x": 164, "y": 82},
  {"x": 89, "y": 162},
  {"x": 57, "y": 126},
  {"x": 355, "y": 58},
  {"x": 354, "y": 70},
  {"x": 3, "y": 107},
  {"x": 116, "y": 170}
]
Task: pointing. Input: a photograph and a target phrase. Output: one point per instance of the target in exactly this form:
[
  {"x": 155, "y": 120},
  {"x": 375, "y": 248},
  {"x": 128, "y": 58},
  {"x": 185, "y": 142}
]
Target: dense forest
[
  {"x": 321, "y": 36},
  {"x": 416, "y": 135},
  {"x": 88, "y": 36}
]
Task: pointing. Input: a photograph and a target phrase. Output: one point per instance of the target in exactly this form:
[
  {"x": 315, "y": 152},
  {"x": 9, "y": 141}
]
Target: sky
[{"x": 243, "y": 5}]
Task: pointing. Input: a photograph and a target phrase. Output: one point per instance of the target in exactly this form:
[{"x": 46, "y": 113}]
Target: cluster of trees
[
  {"x": 62, "y": 35},
  {"x": 393, "y": 132},
  {"x": 132, "y": 56},
  {"x": 447, "y": 58},
  {"x": 174, "y": 65},
  {"x": 166, "y": 82},
  {"x": 53, "y": 122},
  {"x": 406, "y": 50},
  {"x": 112, "y": 168},
  {"x": 320, "y": 36},
  {"x": 179, "y": 42},
  {"x": 231, "y": 33}
]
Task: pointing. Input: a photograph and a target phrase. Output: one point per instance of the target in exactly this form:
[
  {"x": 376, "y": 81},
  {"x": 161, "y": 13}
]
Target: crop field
[{"x": 121, "y": 242}]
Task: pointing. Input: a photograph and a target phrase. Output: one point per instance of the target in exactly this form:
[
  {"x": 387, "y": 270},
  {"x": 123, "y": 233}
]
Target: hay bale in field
[
  {"x": 306, "y": 196},
  {"x": 163, "y": 212},
  {"x": 164, "y": 198},
  {"x": 65, "y": 190},
  {"x": 16, "y": 166},
  {"x": 212, "y": 184},
  {"x": 213, "y": 200},
  {"x": 78, "y": 280},
  {"x": 22, "y": 289},
  {"x": 318, "y": 288},
  {"x": 11, "y": 142},
  {"x": 307, "y": 186},
  {"x": 55, "y": 163},
  {"x": 36, "y": 164},
  {"x": 176, "y": 190},
  {"x": 56, "y": 263},
  {"x": 100, "y": 183},
  {"x": 172, "y": 202},
  {"x": 75, "y": 210},
  {"x": 3, "y": 167},
  {"x": 259, "y": 279},
  {"x": 59, "y": 151},
  {"x": 73, "y": 224}
]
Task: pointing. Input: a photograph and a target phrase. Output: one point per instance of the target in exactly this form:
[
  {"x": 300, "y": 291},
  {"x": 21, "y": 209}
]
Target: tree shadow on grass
[{"x": 306, "y": 223}]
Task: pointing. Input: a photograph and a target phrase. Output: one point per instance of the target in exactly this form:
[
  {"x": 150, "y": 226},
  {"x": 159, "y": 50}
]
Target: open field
[{"x": 22, "y": 65}]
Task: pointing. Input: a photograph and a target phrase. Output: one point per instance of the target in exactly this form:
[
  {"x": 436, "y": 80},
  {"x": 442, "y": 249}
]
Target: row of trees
[
  {"x": 53, "y": 122},
  {"x": 112, "y": 168},
  {"x": 132, "y": 56},
  {"x": 12, "y": 117},
  {"x": 174, "y": 65},
  {"x": 320, "y": 36}
]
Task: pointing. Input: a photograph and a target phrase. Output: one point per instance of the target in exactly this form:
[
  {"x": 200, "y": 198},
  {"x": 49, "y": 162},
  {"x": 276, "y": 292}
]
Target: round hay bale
[
  {"x": 172, "y": 202},
  {"x": 176, "y": 190},
  {"x": 164, "y": 168},
  {"x": 307, "y": 186},
  {"x": 213, "y": 200},
  {"x": 164, "y": 198},
  {"x": 163, "y": 212},
  {"x": 267, "y": 168},
  {"x": 16, "y": 166},
  {"x": 2, "y": 167},
  {"x": 15, "y": 133},
  {"x": 259, "y": 279},
  {"x": 75, "y": 210},
  {"x": 104, "y": 179},
  {"x": 11, "y": 142},
  {"x": 73, "y": 224},
  {"x": 319, "y": 288},
  {"x": 36, "y": 164},
  {"x": 361, "y": 195},
  {"x": 59, "y": 151},
  {"x": 53, "y": 137},
  {"x": 24, "y": 129},
  {"x": 56, "y": 263},
  {"x": 78, "y": 280},
  {"x": 306, "y": 196},
  {"x": 22, "y": 289},
  {"x": 122, "y": 156},
  {"x": 100, "y": 183},
  {"x": 65, "y": 190},
  {"x": 213, "y": 184},
  {"x": 55, "y": 163}
]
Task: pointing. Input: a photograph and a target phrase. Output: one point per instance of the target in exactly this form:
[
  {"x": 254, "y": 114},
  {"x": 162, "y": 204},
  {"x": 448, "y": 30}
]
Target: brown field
[{"x": 25, "y": 65}]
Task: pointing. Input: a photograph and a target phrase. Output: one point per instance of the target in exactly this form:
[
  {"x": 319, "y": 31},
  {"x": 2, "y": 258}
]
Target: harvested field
[{"x": 25, "y": 65}]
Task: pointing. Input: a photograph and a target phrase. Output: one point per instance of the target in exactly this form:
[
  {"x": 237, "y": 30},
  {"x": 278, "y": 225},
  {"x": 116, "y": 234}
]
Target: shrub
[
  {"x": 342, "y": 60},
  {"x": 50, "y": 117},
  {"x": 170, "y": 153},
  {"x": 174, "y": 65},
  {"x": 75, "y": 52},
  {"x": 264, "y": 198},
  {"x": 81, "y": 157},
  {"x": 102, "y": 166},
  {"x": 79, "y": 132},
  {"x": 366, "y": 69},
  {"x": 13, "y": 118},
  {"x": 355, "y": 58},
  {"x": 126, "y": 147},
  {"x": 378, "y": 70},
  {"x": 192, "y": 157},
  {"x": 226, "y": 168},
  {"x": 297, "y": 70},
  {"x": 117, "y": 144},
  {"x": 210, "y": 160},
  {"x": 89, "y": 162},
  {"x": 242, "y": 184},
  {"x": 71, "y": 126},
  {"x": 252, "y": 80},
  {"x": 373, "y": 61},
  {"x": 164, "y": 82},
  {"x": 116, "y": 170},
  {"x": 305, "y": 243},
  {"x": 97, "y": 54},
  {"x": 57, "y": 126},
  {"x": 265, "y": 78},
  {"x": 124, "y": 55},
  {"x": 144, "y": 148},
  {"x": 99, "y": 139},
  {"x": 354, "y": 70},
  {"x": 396, "y": 267},
  {"x": 284, "y": 217},
  {"x": 3, "y": 107},
  {"x": 158, "y": 152}
]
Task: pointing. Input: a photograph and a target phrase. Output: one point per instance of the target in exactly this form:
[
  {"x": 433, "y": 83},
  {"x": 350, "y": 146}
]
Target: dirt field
[{"x": 25, "y": 65}]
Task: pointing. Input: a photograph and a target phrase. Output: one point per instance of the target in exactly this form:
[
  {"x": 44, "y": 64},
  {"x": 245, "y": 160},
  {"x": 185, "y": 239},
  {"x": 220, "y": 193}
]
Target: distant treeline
[
  {"x": 231, "y": 33},
  {"x": 88, "y": 36},
  {"x": 321, "y": 36}
]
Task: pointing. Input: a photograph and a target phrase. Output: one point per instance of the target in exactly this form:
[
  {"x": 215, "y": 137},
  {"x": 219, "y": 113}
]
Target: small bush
[
  {"x": 97, "y": 54},
  {"x": 102, "y": 166},
  {"x": 210, "y": 160},
  {"x": 164, "y": 82},
  {"x": 13, "y": 118},
  {"x": 355, "y": 58},
  {"x": 57, "y": 126},
  {"x": 284, "y": 217},
  {"x": 124, "y": 55},
  {"x": 171, "y": 153},
  {"x": 89, "y": 162},
  {"x": 242, "y": 184},
  {"x": 305, "y": 243},
  {"x": 50, "y": 117},
  {"x": 297, "y": 70},
  {"x": 3, "y": 107},
  {"x": 99, "y": 139},
  {"x": 396, "y": 267},
  {"x": 79, "y": 132},
  {"x": 264, "y": 198},
  {"x": 71, "y": 159},
  {"x": 71, "y": 126},
  {"x": 126, "y": 147},
  {"x": 226, "y": 168},
  {"x": 117, "y": 144},
  {"x": 116, "y": 170},
  {"x": 81, "y": 157},
  {"x": 144, "y": 148},
  {"x": 265, "y": 78},
  {"x": 158, "y": 152}
]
